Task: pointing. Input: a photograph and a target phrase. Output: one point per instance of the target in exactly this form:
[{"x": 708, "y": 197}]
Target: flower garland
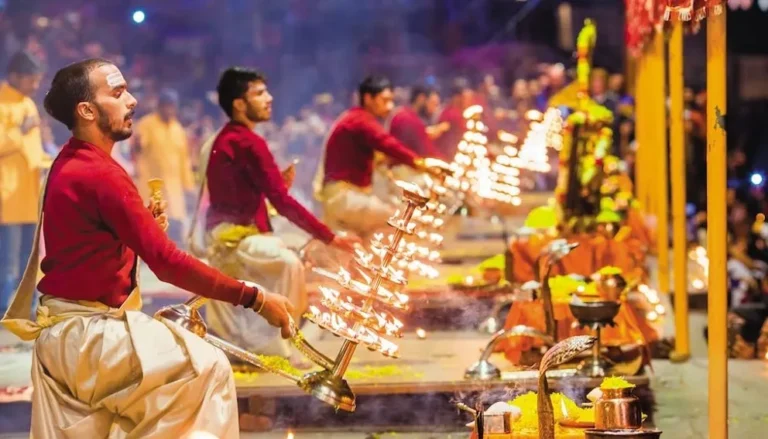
[
  {"x": 643, "y": 18},
  {"x": 696, "y": 10}
]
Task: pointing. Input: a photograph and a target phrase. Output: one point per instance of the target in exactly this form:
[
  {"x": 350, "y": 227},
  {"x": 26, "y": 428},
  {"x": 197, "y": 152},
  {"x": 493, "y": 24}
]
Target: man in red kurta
[
  {"x": 453, "y": 116},
  {"x": 407, "y": 125},
  {"x": 241, "y": 175},
  {"x": 100, "y": 366},
  {"x": 344, "y": 180}
]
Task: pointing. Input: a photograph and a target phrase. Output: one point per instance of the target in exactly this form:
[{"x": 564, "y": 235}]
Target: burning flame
[
  {"x": 363, "y": 334},
  {"x": 563, "y": 408},
  {"x": 353, "y": 316},
  {"x": 472, "y": 111},
  {"x": 400, "y": 223},
  {"x": 392, "y": 298},
  {"x": 653, "y": 298},
  {"x": 699, "y": 254}
]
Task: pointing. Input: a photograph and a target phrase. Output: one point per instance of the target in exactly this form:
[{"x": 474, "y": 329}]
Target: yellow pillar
[
  {"x": 716, "y": 227},
  {"x": 677, "y": 176},
  {"x": 641, "y": 187},
  {"x": 659, "y": 182}
]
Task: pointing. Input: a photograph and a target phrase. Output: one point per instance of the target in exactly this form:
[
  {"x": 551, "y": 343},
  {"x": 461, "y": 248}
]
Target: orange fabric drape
[{"x": 630, "y": 329}]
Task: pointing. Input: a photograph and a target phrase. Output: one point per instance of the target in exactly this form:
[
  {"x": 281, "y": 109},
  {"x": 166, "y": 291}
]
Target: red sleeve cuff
[
  {"x": 249, "y": 297},
  {"x": 326, "y": 236}
]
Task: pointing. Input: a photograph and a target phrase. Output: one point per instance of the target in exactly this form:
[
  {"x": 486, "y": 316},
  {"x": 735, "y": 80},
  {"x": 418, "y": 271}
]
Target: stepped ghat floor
[{"x": 437, "y": 362}]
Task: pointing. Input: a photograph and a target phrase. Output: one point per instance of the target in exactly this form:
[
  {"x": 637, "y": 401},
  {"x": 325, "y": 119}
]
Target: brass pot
[
  {"x": 595, "y": 312},
  {"x": 622, "y": 434},
  {"x": 618, "y": 409},
  {"x": 497, "y": 423}
]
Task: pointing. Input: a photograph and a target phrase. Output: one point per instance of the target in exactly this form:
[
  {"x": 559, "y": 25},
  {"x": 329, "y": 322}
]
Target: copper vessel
[
  {"x": 497, "y": 423},
  {"x": 618, "y": 409},
  {"x": 625, "y": 434}
]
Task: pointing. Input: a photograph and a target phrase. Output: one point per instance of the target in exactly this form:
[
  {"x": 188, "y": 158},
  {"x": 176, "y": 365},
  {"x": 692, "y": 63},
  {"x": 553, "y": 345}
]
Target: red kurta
[
  {"x": 351, "y": 144},
  {"x": 448, "y": 142},
  {"x": 407, "y": 127},
  {"x": 95, "y": 226},
  {"x": 242, "y": 174}
]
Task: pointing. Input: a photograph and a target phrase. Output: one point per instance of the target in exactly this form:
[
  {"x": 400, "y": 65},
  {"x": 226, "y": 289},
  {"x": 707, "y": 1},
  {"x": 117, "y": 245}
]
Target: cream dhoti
[
  {"x": 266, "y": 260},
  {"x": 358, "y": 210},
  {"x": 407, "y": 173},
  {"x": 118, "y": 373}
]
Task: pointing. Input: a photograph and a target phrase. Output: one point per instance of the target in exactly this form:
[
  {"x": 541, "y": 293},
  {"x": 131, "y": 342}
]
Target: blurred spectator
[
  {"x": 162, "y": 151},
  {"x": 22, "y": 160}
]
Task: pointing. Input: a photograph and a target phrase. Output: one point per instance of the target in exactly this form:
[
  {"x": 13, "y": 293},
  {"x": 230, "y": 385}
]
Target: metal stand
[
  {"x": 595, "y": 315},
  {"x": 596, "y": 365},
  {"x": 483, "y": 369}
]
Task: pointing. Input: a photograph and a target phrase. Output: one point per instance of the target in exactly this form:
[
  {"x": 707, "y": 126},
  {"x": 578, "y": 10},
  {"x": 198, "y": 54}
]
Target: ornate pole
[
  {"x": 678, "y": 176},
  {"x": 716, "y": 226}
]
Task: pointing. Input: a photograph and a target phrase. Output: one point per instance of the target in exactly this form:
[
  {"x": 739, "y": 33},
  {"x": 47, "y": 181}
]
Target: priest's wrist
[{"x": 255, "y": 300}]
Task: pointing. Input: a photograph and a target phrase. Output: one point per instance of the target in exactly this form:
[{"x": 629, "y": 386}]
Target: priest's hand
[
  {"x": 159, "y": 213},
  {"x": 276, "y": 310},
  {"x": 346, "y": 243},
  {"x": 289, "y": 175},
  {"x": 435, "y": 131},
  {"x": 433, "y": 166}
]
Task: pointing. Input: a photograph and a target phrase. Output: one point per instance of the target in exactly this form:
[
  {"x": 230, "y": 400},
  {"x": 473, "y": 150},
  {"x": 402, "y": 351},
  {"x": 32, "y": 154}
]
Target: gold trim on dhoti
[
  {"x": 49, "y": 314},
  {"x": 334, "y": 188}
]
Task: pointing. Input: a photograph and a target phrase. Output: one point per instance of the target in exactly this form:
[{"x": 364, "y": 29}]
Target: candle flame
[{"x": 563, "y": 408}]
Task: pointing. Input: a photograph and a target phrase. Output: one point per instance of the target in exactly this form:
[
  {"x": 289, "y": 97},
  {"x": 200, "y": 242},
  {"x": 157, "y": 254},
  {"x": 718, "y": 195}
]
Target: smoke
[
  {"x": 431, "y": 412},
  {"x": 493, "y": 395}
]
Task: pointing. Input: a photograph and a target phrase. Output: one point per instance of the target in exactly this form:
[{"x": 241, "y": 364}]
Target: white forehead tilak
[{"x": 115, "y": 79}]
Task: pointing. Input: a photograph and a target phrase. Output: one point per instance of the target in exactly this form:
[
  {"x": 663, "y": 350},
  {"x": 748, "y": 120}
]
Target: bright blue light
[
  {"x": 756, "y": 179},
  {"x": 139, "y": 16}
]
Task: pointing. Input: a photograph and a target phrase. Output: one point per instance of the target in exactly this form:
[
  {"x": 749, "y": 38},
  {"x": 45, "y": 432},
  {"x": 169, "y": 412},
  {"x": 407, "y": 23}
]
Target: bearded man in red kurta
[
  {"x": 241, "y": 174},
  {"x": 102, "y": 368},
  {"x": 343, "y": 183}
]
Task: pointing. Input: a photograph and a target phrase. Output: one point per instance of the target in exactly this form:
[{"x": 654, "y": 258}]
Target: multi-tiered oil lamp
[
  {"x": 419, "y": 251},
  {"x": 487, "y": 178},
  {"x": 351, "y": 312},
  {"x": 381, "y": 284}
]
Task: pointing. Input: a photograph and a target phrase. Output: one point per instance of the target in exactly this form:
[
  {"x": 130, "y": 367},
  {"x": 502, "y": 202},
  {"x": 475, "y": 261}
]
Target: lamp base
[
  {"x": 594, "y": 367},
  {"x": 482, "y": 370},
  {"x": 329, "y": 389}
]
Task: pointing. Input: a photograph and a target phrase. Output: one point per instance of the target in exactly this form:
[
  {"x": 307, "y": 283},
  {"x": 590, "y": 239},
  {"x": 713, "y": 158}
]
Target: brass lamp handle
[{"x": 317, "y": 357}]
